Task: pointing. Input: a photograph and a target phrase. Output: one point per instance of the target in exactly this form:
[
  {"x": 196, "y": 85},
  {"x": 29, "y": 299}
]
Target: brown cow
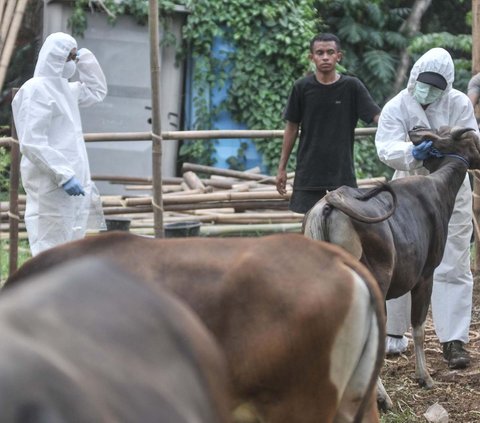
[
  {"x": 402, "y": 241},
  {"x": 301, "y": 322},
  {"x": 89, "y": 343}
]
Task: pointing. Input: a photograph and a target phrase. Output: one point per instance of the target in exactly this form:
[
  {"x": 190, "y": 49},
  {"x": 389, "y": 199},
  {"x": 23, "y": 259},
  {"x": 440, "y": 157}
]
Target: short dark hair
[{"x": 325, "y": 37}]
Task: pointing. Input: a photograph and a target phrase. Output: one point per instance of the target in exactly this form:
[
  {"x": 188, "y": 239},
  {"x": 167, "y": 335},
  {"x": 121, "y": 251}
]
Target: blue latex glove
[
  {"x": 73, "y": 187},
  {"x": 422, "y": 150}
]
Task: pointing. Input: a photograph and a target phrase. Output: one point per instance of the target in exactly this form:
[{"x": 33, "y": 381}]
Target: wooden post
[
  {"x": 476, "y": 173},
  {"x": 13, "y": 215},
  {"x": 157, "y": 200}
]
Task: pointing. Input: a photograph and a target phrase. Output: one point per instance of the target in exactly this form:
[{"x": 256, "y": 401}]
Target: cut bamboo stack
[{"x": 222, "y": 200}]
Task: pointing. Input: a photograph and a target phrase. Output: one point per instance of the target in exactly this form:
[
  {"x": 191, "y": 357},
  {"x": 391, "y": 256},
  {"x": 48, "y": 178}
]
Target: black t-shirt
[{"x": 328, "y": 115}]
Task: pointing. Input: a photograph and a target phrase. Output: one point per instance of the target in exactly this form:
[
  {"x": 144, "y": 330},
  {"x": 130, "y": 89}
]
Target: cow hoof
[
  {"x": 426, "y": 383},
  {"x": 384, "y": 404}
]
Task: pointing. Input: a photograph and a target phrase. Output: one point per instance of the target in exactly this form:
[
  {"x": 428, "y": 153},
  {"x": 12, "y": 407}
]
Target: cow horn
[{"x": 458, "y": 131}]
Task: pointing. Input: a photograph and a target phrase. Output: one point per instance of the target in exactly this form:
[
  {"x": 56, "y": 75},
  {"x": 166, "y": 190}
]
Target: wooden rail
[{"x": 221, "y": 200}]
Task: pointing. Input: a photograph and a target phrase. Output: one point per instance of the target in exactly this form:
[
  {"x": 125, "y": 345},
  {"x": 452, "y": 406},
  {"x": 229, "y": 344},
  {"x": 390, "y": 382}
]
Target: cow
[
  {"x": 87, "y": 342},
  {"x": 399, "y": 229},
  {"x": 301, "y": 322}
]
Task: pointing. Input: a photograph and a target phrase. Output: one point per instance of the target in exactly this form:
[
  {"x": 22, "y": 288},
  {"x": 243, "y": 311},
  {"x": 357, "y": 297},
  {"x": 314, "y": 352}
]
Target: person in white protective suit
[
  {"x": 62, "y": 201},
  {"x": 430, "y": 101}
]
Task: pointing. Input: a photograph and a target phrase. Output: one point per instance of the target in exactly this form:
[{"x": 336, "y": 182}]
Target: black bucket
[
  {"x": 118, "y": 224},
  {"x": 182, "y": 229}
]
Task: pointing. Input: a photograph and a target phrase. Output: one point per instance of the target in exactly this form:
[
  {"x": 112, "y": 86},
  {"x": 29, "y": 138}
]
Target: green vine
[
  {"x": 269, "y": 51},
  {"x": 4, "y": 174},
  {"x": 137, "y": 9}
]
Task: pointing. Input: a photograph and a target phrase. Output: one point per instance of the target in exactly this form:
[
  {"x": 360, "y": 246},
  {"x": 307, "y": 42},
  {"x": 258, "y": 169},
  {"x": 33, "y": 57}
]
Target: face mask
[
  {"x": 69, "y": 69},
  {"x": 425, "y": 93}
]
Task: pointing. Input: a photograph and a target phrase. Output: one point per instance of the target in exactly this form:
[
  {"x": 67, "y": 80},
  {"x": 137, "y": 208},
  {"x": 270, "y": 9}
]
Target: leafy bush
[
  {"x": 4, "y": 173},
  {"x": 367, "y": 163}
]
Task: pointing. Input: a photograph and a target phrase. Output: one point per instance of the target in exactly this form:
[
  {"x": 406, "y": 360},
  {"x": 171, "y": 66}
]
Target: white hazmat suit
[
  {"x": 47, "y": 118},
  {"x": 453, "y": 282}
]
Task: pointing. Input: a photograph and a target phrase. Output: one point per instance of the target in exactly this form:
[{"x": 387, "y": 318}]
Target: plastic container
[
  {"x": 118, "y": 224},
  {"x": 188, "y": 228}
]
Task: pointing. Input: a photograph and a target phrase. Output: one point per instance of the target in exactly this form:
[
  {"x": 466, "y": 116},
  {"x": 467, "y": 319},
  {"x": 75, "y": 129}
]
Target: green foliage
[
  {"x": 198, "y": 151},
  {"x": 368, "y": 45},
  {"x": 461, "y": 43},
  {"x": 137, "y": 9},
  {"x": 269, "y": 52},
  {"x": 23, "y": 255},
  {"x": 238, "y": 162},
  {"x": 367, "y": 163},
  {"x": 4, "y": 173}
]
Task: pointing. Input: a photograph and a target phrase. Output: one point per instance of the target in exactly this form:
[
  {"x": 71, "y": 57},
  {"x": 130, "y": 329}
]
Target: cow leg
[
  {"x": 420, "y": 302},
  {"x": 423, "y": 377},
  {"x": 384, "y": 402}
]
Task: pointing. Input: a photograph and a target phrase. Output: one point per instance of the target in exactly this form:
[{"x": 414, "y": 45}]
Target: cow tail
[
  {"x": 318, "y": 229},
  {"x": 325, "y": 222},
  {"x": 377, "y": 304}
]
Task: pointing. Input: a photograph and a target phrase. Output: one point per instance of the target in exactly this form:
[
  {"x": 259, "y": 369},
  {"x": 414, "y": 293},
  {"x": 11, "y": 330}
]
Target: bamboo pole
[
  {"x": 238, "y": 205},
  {"x": 200, "y": 135},
  {"x": 134, "y": 179},
  {"x": 476, "y": 173},
  {"x": 227, "y": 172},
  {"x": 223, "y": 196},
  {"x": 2, "y": 9},
  {"x": 157, "y": 200},
  {"x": 11, "y": 38},
  {"x": 13, "y": 207},
  {"x": 6, "y": 142},
  {"x": 193, "y": 181},
  {"x": 198, "y": 198},
  {"x": 6, "y": 21},
  {"x": 232, "y": 230}
]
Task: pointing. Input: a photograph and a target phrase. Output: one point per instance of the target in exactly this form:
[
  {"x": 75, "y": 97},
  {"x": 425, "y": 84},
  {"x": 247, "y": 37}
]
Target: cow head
[{"x": 447, "y": 140}]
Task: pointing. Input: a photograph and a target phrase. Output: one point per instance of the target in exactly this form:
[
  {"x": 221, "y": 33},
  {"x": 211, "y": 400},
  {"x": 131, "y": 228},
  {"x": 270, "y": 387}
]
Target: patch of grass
[
  {"x": 23, "y": 255},
  {"x": 404, "y": 415}
]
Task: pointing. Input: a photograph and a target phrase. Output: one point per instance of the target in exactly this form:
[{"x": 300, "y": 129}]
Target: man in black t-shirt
[{"x": 327, "y": 106}]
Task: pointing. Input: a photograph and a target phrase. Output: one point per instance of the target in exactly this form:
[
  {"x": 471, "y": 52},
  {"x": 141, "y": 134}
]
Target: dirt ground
[{"x": 457, "y": 391}]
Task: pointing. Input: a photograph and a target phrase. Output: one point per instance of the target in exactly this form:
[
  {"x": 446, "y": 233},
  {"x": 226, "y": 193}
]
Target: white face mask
[
  {"x": 425, "y": 93},
  {"x": 69, "y": 69}
]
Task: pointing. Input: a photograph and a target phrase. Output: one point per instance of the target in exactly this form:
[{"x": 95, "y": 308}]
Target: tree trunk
[{"x": 409, "y": 28}]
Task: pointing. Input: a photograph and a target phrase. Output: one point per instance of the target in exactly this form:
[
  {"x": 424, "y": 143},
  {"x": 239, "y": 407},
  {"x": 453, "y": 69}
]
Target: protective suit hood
[
  {"x": 436, "y": 60},
  {"x": 53, "y": 54}
]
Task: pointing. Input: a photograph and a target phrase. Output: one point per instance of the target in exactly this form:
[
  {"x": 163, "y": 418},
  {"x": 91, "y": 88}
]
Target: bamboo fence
[{"x": 221, "y": 199}]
